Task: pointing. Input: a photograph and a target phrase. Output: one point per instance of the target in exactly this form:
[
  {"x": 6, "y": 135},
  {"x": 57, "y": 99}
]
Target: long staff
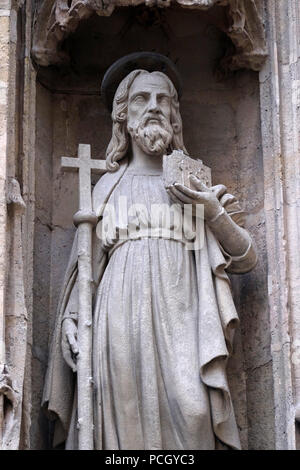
[{"x": 85, "y": 219}]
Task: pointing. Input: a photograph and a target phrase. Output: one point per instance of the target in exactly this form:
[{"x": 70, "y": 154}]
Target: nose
[{"x": 153, "y": 105}]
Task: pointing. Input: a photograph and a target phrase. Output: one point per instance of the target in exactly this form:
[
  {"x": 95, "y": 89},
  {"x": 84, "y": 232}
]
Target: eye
[
  {"x": 164, "y": 100},
  {"x": 139, "y": 99}
]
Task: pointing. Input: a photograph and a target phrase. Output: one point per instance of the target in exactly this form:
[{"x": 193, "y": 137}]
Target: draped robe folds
[{"x": 217, "y": 319}]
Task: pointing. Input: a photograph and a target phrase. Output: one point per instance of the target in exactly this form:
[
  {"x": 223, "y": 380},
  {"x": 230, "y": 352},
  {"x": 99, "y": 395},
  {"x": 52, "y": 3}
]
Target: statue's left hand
[
  {"x": 209, "y": 197},
  {"x": 69, "y": 342}
]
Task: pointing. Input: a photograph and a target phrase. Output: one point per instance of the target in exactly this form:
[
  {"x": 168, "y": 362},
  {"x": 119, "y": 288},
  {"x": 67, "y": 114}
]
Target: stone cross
[
  {"x": 85, "y": 219},
  {"x": 84, "y": 164}
]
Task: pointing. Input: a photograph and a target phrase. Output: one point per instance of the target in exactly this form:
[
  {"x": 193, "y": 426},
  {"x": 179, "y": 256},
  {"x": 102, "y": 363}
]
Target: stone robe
[{"x": 163, "y": 326}]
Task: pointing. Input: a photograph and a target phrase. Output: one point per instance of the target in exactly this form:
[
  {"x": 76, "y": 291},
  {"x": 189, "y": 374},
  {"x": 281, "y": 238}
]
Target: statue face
[{"x": 149, "y": 112}]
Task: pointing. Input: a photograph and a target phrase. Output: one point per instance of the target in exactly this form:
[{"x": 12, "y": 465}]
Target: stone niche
[{"x": 221, "y": 121}]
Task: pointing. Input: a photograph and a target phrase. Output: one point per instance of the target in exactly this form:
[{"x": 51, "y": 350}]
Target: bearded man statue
[{"x": 163, "y": 315}]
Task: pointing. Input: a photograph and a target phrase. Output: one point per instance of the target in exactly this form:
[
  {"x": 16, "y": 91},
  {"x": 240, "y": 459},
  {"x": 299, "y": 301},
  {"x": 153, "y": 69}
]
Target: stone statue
[{"x": 163, "y": 315}]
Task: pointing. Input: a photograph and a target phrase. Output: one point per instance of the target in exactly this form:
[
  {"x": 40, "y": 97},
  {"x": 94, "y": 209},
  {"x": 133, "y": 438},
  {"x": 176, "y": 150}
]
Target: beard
[{"x": 153, "y": 138}]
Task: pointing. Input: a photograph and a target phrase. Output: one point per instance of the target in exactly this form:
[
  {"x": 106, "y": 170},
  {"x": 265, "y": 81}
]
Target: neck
[{"x": 141, "y": 160}]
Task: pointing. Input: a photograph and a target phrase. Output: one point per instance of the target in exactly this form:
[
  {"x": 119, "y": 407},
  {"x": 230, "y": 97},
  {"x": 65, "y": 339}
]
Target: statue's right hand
[{"x": 69, "y": 342}]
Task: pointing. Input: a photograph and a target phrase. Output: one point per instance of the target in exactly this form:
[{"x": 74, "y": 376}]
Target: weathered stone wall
[
  {"x": 42, "y": 264},
  {"x": 221, "y": 121}
]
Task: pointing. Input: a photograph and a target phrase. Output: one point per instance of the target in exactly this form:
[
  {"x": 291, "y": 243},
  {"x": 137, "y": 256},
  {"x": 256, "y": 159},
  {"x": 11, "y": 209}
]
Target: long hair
[{"x": 119, "y": 143}]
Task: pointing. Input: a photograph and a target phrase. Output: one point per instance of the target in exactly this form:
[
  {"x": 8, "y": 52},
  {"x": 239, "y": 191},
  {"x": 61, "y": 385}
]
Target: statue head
[{"x": 145, "y": 109}]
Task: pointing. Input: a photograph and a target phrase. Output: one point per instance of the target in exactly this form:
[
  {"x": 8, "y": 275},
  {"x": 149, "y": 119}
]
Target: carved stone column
[
  {"x": 7, "y": 30},
  {"x": 280, "y": 100},
  {"x": 17, "y": 130}
]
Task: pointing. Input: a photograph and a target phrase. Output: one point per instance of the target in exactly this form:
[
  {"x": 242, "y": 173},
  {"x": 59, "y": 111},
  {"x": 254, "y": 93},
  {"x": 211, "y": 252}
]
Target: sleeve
[
  {"x": 71, "y": 310},
  {"x": 248, "y": 260},
  {"x": 99, "y": 262}
]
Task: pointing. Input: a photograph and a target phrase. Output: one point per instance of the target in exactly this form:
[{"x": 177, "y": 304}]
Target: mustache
[{"x": 149, "y": 117}]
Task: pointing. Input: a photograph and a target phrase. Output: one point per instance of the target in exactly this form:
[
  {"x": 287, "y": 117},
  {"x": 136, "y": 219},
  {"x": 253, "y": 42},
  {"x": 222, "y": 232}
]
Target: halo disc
[{"x": 150, "y": 61}]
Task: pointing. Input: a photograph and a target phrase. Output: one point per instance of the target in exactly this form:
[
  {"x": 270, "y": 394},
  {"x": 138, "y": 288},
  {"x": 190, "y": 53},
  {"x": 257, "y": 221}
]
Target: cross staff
[{"x": 85, "y": 219}]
